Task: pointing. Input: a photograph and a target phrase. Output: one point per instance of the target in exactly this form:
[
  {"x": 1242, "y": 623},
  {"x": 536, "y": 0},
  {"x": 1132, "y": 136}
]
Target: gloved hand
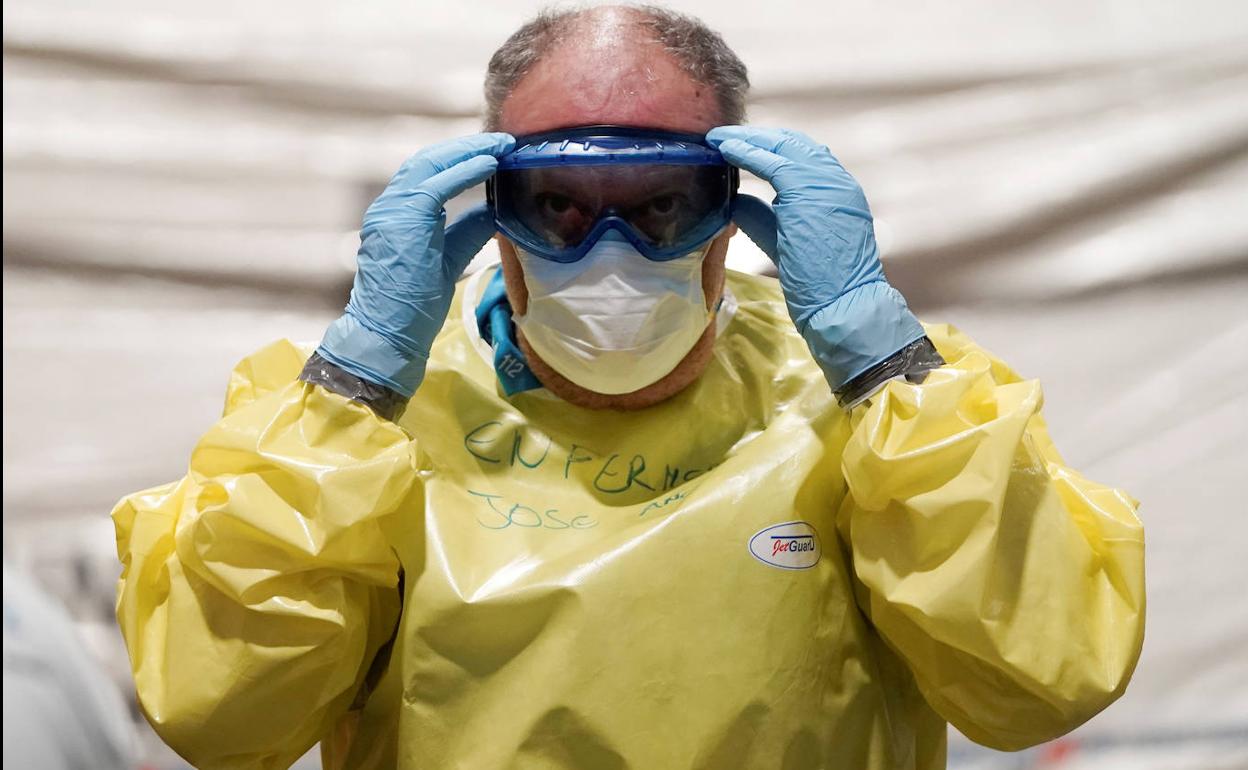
[
  {"x": 409, "y": 261},
  {"x": 822, "y": 240}
]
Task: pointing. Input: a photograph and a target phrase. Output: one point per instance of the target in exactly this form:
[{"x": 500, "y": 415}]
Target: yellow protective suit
[{"x": 521, "y": 583}]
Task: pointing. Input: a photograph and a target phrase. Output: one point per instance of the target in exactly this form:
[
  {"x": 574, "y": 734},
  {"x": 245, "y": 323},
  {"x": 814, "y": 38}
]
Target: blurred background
[{"x": 1066, "y": 181}]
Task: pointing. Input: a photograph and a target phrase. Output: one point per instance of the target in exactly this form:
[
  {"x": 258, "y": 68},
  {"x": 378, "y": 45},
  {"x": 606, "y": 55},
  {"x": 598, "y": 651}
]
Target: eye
[
  {"x": 554, "y": 204},
  {"x": 664, "y": 205}
]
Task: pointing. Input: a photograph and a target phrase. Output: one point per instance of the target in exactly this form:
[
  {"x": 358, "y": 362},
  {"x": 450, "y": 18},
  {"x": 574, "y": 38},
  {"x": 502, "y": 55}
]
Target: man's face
[{"x": 610, "y": 73}]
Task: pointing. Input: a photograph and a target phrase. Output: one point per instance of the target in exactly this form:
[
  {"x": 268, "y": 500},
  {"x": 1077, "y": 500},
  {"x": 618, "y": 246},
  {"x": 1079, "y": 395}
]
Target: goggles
[{"x": 557, "y": 193}]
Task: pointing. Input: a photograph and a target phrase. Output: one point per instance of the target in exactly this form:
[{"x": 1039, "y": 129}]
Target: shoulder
[
  {"x": 271, "y": 367},
  {"x": 959, "y": 350},
  {"x": 754, "y": 288},
  {"x": 759, "y": 299},
  {"x": 459, "y": 348}
]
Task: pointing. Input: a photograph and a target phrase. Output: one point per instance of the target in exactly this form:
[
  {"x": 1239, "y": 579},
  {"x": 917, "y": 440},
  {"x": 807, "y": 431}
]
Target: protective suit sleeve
[
  {"x": 1011, "y": 586},
  {"x": 256, "y": 591}
]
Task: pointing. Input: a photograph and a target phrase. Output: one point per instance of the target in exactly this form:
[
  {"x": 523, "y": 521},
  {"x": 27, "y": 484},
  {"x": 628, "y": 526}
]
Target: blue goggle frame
[{"x": 604, "y": 146}]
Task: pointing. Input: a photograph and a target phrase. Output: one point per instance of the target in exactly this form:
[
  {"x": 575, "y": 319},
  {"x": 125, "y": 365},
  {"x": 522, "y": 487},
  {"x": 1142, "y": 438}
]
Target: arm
[
  {"x": 1012, "y": 587},
  {"x": 256, "y": 591}
]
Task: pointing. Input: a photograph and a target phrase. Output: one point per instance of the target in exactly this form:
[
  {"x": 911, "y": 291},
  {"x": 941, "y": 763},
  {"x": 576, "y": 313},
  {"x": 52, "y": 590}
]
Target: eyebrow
[{"x": 585, "y": 185}]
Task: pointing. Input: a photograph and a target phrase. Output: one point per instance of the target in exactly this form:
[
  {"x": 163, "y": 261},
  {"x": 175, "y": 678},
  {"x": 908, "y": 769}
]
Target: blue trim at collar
[{"x": 494, "y": 323}]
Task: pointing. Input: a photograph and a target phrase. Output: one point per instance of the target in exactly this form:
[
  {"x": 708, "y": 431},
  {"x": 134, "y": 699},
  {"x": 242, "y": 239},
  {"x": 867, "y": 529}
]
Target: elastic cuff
[
  {"x": 387, "y": 403},
  {"x": 369, "y": 355},
  {"x": 913, "y": 362}
]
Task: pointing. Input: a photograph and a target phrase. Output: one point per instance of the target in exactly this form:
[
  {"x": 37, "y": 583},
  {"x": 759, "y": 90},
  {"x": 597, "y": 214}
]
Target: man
[{"x": 611, "y": 507}]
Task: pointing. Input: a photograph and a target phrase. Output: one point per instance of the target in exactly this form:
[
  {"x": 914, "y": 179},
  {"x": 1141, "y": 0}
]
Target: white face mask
[{"x": 614, "y": 321}]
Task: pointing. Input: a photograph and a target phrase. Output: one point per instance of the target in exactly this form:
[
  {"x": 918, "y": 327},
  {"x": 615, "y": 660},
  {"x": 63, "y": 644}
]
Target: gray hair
[{"x": 700, "y": 51}]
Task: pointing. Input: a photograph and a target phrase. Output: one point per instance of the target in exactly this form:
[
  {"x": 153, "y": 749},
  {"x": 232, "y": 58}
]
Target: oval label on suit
[{"x": 792, "y": 545}]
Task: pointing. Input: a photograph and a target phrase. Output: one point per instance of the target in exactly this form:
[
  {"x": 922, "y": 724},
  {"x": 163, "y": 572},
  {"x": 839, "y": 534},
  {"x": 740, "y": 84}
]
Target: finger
[
  {"x": 759, "y": 162},
  {"x": 440, "y": 157},
  {"x": 445, "y": 185},
  {"x": 466, "y": 236},
  {"x": 758, "y": 220},
  {"x": 782, "y": 141}
]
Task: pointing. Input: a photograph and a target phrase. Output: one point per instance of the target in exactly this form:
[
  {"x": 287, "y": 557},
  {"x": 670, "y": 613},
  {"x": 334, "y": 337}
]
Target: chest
[{"x": 520, "y": 531}]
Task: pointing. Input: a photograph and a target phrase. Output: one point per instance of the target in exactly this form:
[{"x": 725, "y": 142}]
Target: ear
[
  {"x": 758, "y": 220},
  {"x": 714, "y": 267},
  {"x": 513, "y": 275}
]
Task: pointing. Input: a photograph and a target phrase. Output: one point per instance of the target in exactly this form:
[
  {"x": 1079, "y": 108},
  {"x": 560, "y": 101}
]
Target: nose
[{"x": 613, "y": 234}]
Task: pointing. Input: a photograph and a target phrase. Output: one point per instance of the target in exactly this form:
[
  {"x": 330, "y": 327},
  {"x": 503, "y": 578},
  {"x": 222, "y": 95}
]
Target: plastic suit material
[
  {"x": 743, "y": 576},
  {"x": 409, "y": 262},
  {"x": 837, "y": 294}
]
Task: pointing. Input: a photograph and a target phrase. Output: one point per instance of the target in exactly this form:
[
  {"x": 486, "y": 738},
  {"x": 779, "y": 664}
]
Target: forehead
[{"x": 609, "y": 75}]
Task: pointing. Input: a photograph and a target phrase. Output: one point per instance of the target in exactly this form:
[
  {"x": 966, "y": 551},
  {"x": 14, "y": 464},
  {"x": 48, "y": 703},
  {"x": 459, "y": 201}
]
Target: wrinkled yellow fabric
[{"x": 579, "y": 589}]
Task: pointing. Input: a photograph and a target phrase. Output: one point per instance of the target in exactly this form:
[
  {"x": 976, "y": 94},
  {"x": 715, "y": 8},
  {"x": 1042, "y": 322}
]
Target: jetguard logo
[{"x": 792, "y": 545}]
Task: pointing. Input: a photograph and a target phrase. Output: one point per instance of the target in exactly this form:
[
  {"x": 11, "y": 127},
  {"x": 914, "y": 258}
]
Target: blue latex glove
[
  {"x": 822, "y": 240},
  {"x": 409, "y": 261}
]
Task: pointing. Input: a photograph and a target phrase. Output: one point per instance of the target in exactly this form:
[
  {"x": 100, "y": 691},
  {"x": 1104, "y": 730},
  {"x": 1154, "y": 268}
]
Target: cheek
[
  {"x": 513, "y": 276},
  {"x": 714, "y": 269}
]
